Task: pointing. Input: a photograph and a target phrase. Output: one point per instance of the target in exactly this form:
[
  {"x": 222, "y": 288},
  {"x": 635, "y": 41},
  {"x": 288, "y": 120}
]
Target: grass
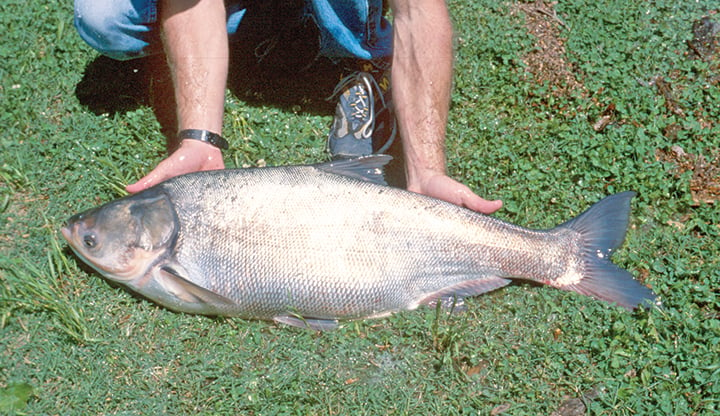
[{"x": 73, "y": 344}]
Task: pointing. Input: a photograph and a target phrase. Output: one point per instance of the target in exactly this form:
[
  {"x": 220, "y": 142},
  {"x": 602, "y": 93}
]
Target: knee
[{"x": 106, "y": 27}]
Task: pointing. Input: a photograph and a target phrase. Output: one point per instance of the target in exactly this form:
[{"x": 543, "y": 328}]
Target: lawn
[{"x": 554, "y": 106}]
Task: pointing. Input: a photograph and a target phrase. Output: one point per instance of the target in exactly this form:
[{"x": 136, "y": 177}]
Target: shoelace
[{"x": 370, "y": 84}]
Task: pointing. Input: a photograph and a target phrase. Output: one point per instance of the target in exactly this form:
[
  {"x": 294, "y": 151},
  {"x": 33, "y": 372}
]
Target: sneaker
[{"x": 364, "y": 121}]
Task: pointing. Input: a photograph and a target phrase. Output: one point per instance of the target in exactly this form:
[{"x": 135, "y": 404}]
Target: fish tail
[{"x": 603, "y": 227}]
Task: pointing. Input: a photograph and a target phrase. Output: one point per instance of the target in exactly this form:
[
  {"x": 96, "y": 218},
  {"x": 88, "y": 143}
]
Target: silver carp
[{"x": 311, "y": 245}]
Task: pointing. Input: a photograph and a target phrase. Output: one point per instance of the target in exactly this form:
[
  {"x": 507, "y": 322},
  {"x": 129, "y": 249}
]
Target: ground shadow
[{"x": 109, "y": 86}]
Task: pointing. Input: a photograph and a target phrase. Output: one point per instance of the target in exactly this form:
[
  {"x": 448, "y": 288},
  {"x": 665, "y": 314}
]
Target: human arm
[
  {"x": 196, "y": 45},
  {"x": 422, "y": 79}
]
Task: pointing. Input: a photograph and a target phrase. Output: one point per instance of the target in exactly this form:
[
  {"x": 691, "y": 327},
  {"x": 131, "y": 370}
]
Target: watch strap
[{"x": 204, "y": 136}]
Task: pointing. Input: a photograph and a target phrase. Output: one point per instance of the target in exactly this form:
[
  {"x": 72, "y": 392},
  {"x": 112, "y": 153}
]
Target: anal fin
[
  {"x": 305, "y": 323},
  {"x": 466, "y": 289}
]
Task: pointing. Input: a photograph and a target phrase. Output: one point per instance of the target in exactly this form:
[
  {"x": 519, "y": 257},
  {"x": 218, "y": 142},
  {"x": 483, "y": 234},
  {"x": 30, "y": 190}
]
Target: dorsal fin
[{"x": 366, "y": 168}]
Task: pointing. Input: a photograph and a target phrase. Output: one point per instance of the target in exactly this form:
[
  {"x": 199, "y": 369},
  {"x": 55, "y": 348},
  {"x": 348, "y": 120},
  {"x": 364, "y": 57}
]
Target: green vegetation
[{"x": 75, "y": 133}]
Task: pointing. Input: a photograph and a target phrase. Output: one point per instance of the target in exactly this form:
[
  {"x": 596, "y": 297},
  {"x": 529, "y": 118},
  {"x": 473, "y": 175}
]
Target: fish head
[{"x": 124, "y": 238}]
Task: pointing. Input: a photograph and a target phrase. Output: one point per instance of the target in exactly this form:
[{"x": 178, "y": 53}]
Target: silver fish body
[{"x": 311, "y": 245}]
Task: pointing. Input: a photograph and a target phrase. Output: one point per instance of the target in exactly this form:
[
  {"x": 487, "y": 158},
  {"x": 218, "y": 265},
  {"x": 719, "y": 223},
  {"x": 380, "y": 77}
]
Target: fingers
[
  {"x": 483, "y": 206},
  {"x": 143, "y": 184},
  {"x": 445, "y": 188},
  {"x": 165, "y": 170},
  {"x": 191, "y": 156},
  {"x": 472, "y": 201}
]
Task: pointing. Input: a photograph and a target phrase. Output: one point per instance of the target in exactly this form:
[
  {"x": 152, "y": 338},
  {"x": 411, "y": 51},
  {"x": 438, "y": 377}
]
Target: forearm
[
  {"x": 422, "y": 78},
  {"x": 196, "y": 45}
]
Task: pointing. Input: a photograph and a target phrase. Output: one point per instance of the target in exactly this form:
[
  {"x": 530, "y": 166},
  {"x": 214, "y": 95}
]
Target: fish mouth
[
  {"x": 66, "y": 233},
  {"x": 70, "y": 230},
  {"x": 70, "y": 233}
]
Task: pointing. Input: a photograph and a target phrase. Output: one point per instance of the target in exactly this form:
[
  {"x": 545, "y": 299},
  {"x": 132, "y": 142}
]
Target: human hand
[
  {"x": 448, "y": 189},
  {"x": 191, "y": 156}
]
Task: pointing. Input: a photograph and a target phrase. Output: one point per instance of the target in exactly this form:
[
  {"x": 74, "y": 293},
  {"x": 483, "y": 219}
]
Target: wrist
[
  {"x": 417, "y": 178},
  {"x": 199, "y": 148},
  {"x": 424, "y": 161}
]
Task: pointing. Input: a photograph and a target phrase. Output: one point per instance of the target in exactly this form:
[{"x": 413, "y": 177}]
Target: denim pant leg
[
  {"x": 352, "y": 28},
  {"x": 120, "y": 29},
  {"x": 127, "y": 29}
]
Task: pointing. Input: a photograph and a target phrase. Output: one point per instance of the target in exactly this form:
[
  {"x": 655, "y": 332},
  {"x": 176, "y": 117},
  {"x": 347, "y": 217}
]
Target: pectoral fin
[{"x": 190, "y": 293}]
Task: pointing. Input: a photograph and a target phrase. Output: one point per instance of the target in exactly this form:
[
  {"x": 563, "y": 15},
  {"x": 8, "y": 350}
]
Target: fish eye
[{"x": 89, "y": 240}]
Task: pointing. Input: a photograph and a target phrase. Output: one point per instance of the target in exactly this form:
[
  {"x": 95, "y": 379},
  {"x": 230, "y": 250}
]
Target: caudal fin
[{"x": 603, "y": 227}]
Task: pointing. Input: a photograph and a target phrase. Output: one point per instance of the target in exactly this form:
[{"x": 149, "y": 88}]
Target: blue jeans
[{"x": 127, "y": 29}]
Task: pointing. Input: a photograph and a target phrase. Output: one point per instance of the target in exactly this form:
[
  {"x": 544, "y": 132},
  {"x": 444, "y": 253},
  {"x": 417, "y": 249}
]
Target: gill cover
[{"x": 156, "y": 220}]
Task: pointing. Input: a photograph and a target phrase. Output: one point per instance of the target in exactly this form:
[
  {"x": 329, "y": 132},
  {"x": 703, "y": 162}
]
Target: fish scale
[
  {"x": 310, "y": 245},
  {"x": 353, "y": 266}
]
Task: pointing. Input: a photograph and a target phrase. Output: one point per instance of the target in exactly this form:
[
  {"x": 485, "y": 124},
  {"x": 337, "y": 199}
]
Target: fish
[{"x": 315, "y": 245}]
